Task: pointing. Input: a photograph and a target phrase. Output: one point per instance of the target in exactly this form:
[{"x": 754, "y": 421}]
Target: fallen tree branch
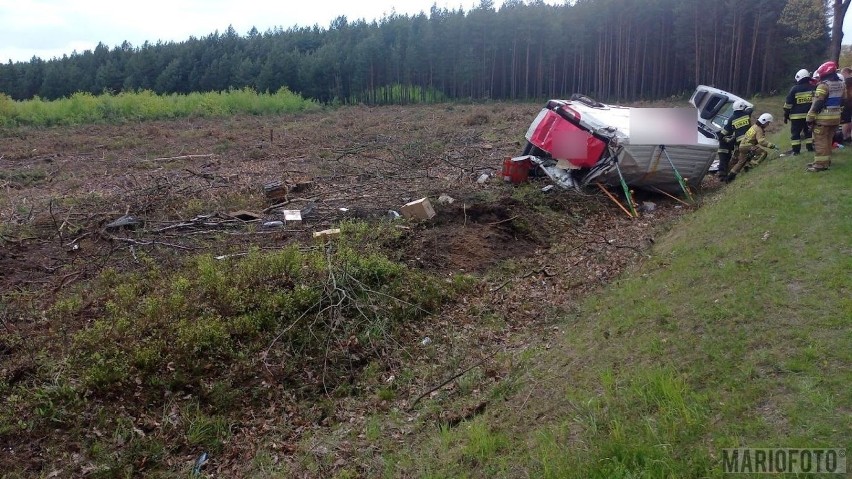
[
  {"x": 503, "y": 221},
  {"x": 451, "y": 379},
  {"x": 147, "y": 243},
  {"x": 181, "y": 157},
  {"x": 543, "y": 271}
]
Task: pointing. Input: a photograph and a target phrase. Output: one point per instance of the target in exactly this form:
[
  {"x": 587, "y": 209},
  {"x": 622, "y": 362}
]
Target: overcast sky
[{"x": 51, "y": 28}]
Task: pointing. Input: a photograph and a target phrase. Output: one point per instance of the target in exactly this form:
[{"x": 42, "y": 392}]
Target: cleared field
[{"x": 197, "y": 326}]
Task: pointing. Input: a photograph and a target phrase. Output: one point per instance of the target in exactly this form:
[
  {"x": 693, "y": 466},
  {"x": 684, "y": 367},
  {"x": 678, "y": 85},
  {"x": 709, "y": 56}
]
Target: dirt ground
[{"x": 184, "y": 187}]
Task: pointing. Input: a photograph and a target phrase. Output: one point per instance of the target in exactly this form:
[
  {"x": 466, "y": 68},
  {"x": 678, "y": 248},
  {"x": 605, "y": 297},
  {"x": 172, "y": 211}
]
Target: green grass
[
  {"x": 85, "y": 108},
  {"x": 735, "y": 333},
  {"x": 184, "y": 347}
]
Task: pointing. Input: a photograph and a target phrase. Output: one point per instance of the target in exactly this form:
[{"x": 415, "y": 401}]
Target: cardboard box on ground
[{"x": 418, "y": 210}]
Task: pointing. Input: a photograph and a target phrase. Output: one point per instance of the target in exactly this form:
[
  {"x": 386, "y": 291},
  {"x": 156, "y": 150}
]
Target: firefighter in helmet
[
  {"x": 796, "y": 108},
  {"x": 731, "y": 134},
  {"x": 750, "y": 152},
  {"x": 824, "y": 114}
]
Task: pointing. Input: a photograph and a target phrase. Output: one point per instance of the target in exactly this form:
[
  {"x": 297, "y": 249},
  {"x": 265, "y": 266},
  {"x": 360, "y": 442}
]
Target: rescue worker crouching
[
  {"x": 731, "y": 134},
  {"x": 824, "y": 114},
  {"x": 796, "y": 108},
  {"x": 750, "y": 152}
]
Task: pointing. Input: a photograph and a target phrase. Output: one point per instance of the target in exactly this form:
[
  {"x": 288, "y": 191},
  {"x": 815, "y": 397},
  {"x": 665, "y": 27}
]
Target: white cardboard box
[{"x": 418, "y": 210}]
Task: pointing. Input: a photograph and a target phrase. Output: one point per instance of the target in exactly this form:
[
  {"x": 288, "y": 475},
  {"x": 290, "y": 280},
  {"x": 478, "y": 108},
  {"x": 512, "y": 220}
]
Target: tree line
[{"x": 608, "y": 49}]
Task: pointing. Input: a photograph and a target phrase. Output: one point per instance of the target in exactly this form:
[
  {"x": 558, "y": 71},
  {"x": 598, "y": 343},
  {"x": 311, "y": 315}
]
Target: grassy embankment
[{"x": 734, "y": 333}]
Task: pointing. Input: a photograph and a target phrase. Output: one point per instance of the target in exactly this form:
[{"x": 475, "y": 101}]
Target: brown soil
[{"x": 184, "y": 180}]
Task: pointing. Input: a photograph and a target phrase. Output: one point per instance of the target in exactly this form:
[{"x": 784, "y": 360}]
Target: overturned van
[{"x": 580, "y": 141}]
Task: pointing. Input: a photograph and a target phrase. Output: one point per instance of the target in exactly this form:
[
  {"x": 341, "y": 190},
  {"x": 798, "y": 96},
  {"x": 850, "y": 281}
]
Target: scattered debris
[
  {"x": 516, "y": 170},
  {"x": 199, "y": 463},
  {"x": 426, "y": 341},
  {"x": 226, "y": 256},
  {"x": 547, "y": 188},
  {"x": 292, "y": 215},
  {"x": 273, "y": 224},
  {"x": 244, "y": 215},
  {"x": 647, "y": 206},
  {"x": 418, "y": 210},
  {"x": 125, "y": 222},
  {"x": 278, "y": 191},
  {"x": 302, "y": 186},
  {"x": 483, "y": 178},
  {"x": 393, "y": 215},
  {"x": 275, "y": 191},
  {"x": 306, "y": 210},
  {"x": 329, "y": 233},
  {"x": 180, "y": 157},
  {"x": 445, "y": 199}
]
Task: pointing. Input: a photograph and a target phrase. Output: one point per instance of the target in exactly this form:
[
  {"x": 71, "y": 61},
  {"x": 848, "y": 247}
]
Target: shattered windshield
[{"x": 723, "y": 115}]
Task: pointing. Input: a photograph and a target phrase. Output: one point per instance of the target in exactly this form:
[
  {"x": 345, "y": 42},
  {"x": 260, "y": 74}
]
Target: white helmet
[
  {"x": 765, "y": 118},
  {"x": 740, "y": 105},
  {"x": 802, "y": 74}
]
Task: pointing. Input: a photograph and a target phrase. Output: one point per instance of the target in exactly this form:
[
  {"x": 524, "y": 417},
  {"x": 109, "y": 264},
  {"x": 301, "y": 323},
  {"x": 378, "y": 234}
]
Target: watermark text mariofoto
[{"x": 746, "y": 460}]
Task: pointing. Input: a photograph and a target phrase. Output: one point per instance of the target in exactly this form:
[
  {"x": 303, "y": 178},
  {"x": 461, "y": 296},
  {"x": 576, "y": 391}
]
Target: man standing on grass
[
  {"x": 824, "y": 115},
  {"x": 796, "y": 108}
]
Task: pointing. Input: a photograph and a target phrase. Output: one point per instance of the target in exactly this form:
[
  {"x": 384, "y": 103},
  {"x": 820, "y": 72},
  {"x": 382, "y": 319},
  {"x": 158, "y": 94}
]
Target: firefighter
[
  {"x": 750, "y": 152},
  {"x": 846, "y": 114},
  {"x": 824, "y": 114},
  {"x": 796, "y": 108},
  {"x": 731, "y": 134}
]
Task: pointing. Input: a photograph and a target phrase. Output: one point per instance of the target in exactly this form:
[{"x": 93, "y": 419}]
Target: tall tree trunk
[
  {"x": 527, "y": 68},
  {"x": 754, "y": 37},
  {"x": 839, "y": 8}
]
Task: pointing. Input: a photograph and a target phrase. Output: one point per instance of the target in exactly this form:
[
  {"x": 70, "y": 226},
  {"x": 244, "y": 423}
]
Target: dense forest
[{"x": 609, "y": 49}]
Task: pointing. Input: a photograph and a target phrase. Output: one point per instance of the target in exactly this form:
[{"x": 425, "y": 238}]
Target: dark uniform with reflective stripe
[
  {"x": 825, "y": 115},
  {"x": 729, "y": 139},
  {"x": 796, "y": 110}
]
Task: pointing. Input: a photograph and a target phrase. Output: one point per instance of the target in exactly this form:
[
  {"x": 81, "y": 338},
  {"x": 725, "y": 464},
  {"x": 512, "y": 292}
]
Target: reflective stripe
[
  {"x": 804, "y": 97},
  {"x": 740, "y": 122},
  {"x": 828, "y": 116},
  {"x": 831, "y": 93}
]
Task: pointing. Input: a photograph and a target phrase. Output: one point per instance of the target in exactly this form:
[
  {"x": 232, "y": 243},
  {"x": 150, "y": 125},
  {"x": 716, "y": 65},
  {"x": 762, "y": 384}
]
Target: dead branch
[
  {"x": 285, "y": 203},
  {"x": 181, "y": 157},
  {"x": 451, "y": 379},
  {"x": 503, "y": 221},
  {"x": 78, "y": 239},
  {"x": 65, "y": 280},
  {"x": 146, "y": 243},
  {"x": 206, "y": 176}
]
